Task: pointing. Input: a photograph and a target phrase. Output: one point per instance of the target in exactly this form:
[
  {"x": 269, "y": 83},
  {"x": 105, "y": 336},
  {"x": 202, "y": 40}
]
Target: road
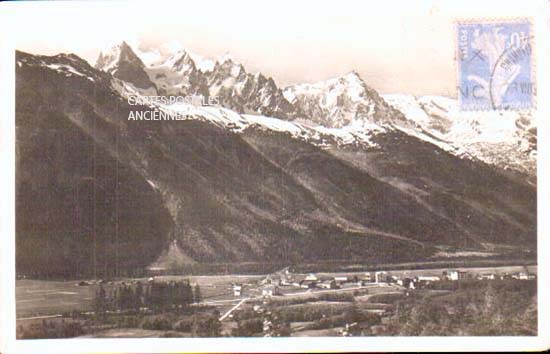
[
  {"x": 224, "y": 316},
  {"x": 214, "y": 302},
  {"x": 305, "y": 293}
]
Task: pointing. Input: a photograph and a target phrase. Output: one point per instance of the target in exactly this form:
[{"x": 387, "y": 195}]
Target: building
[
  {"x": 489, "y": 276},
  {"x": 424, "y": 280},
  {"x": 156, "y": 271},
  {"x": 408, "y": 283},
  {"x": 237, "y": 289},
  {"x": 311, "y": 276},
  {"x": 271, "y": 290},
  {"x": 266, "y": 280},
  {"x": 522, "y": 276},
  {"x": 328, "y": 284},
  {"x": 285, "y": 282},
  {"x": 297, "y": 280},
  {"x": 367, "y": 277},
  {"x": 392, "y": 279},
  {"x": 455, "y": 275},
  {"x": 308, "y": 284},
  {"x": 428, "y": 278},
  {"x": 341, "y": 279},
  {"x": 380, "y": 277}
]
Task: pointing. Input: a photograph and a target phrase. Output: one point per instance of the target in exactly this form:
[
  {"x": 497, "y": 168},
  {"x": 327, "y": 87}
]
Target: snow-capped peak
[
  {"x": 338, "y": 102},
  {"x": 179, "y": 61},
  {"x": 108, "y": 59},
  {"x": 352, "y": 76},
  {"x": 203, "y": 64},
  {"x": 123, "y": 63},
  {"x": 502, "y": 138},
  {"x": 186, "y": 57},
  {"x": 226, "y": 57},
  {"x": 177, "y": 71},
  {"x": 507, "y": 139}
]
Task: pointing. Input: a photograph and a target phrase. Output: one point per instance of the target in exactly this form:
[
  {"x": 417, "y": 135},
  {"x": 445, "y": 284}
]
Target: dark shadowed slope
[
  {"x": 77, "y": 206},
  {"x": 95, "y": 190}
]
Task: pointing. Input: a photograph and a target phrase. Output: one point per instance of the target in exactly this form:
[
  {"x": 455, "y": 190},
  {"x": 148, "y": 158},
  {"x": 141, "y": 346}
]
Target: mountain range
[
  {"x": 506, "y": 139},
  {"x": 310, "y": 172}
]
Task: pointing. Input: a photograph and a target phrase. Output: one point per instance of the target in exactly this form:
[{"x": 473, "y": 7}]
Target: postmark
[{"x": 495, "y": 65}]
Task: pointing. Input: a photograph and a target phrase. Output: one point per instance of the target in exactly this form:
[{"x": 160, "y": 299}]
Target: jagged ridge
[{"x": 264, "y": 194}]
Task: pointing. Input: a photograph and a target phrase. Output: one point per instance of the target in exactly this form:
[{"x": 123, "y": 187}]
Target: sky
[{"x": 397, "y": 46}]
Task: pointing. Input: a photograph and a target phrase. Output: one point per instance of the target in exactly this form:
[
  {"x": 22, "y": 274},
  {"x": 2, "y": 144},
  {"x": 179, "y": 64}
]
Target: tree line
[{"x": 151, "y": 295}]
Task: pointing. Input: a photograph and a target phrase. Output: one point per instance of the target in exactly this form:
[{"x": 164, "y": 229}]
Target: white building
[
  {"x": 237, "y": 289},
  {"x": 455, "y": 275},
  {"x": 272, "y": 290},
  {"x": 311, "y": 276},
  {"x": 428, "y": 278},
  {"x": 490, "y": 276},
  {"x": 522, "y": 276}
]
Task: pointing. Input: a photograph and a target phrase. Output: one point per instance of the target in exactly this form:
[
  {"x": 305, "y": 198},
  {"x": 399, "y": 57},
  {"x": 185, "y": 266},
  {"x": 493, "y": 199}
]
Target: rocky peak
[
  {"x": 122, "y": 62},
  {"x": 180, "y": 61},
  {"x": 340, "y": 101}
]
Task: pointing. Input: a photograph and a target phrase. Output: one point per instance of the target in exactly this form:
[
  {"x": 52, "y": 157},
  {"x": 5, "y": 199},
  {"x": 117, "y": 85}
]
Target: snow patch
[{"x": 68, "y": 70}]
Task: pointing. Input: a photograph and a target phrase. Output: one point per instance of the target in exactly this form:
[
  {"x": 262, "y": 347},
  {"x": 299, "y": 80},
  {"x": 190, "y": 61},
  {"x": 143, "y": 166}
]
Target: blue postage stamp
[{"x": 495, "y": 66}]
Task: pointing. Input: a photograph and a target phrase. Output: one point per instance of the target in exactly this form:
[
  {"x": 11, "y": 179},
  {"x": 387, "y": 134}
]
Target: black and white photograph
[{"x": 263, "y": 170}]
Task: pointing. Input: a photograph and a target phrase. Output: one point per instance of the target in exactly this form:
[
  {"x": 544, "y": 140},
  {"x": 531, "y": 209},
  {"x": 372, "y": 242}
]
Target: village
[
  {"x": 285, "y": 282},
  {"x": 354, "y": 304},
  {"x": 283, "y": 303}
]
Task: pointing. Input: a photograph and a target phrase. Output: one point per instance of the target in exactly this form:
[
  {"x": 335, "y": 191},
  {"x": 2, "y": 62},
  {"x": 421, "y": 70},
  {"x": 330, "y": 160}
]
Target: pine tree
[
  {"x": 118, "y": 297},
  {"x": 197, "y": 296},
  {"x": 100, "y": 301},
  {"x": 138, "y": 296},
  {"x": 187, "y": 293}
]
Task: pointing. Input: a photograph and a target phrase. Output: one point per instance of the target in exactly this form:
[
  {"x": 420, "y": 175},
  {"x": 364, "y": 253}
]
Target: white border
[
  {"x": 11, "y": 19},
  {"x": 7, "y": 182}
]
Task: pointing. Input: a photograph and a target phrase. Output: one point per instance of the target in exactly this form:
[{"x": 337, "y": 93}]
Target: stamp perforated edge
[{"x": 532, "y": 42}]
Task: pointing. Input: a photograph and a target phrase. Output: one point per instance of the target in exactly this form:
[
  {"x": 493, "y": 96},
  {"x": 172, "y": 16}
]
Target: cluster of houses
[
  {"x": 519, "y": 276},
  {"x": 273, "y": 284},
  {"x": 453, "y": 275}
]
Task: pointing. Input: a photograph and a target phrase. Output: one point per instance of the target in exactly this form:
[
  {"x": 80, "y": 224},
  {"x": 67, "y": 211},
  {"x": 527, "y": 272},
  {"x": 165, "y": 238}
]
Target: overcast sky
[{"x": 396, "y": 46}]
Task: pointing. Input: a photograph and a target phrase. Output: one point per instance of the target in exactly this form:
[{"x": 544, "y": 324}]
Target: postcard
[{"x": 274, "y": 176}]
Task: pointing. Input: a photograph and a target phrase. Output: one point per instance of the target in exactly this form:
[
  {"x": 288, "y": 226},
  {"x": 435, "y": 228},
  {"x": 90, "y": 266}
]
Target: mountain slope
[
  {"x": 79, "y": 210},
  {"x": 234, "y": 188},
  {"x": 408, "y": 187},
  {"x": 505, "y": 139}
]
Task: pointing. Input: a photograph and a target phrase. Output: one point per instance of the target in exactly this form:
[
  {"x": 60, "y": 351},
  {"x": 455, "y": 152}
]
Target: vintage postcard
[{"x": 274, "y": 176}]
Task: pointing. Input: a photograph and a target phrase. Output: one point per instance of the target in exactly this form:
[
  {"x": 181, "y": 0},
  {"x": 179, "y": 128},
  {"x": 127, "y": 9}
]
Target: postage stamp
[{"x": 495, "y": 62}]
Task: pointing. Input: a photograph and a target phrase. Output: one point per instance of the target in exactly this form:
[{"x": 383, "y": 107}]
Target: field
[
  {"x": 304, "y": 312},
  {"x": 36, "y": 298},
  {"x": 45, "y": 298}
]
